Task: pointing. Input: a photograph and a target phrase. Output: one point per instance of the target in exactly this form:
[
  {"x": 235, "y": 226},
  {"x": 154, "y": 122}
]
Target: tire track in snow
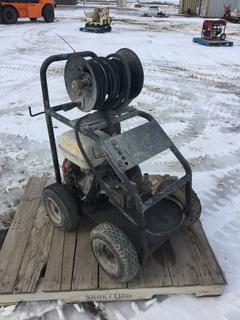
[
  {"x": 197, "y": 122},
  {"x": 226, "y": 186}
]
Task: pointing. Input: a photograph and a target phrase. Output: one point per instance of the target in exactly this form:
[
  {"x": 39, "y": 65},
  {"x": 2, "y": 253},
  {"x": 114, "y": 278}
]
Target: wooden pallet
[
  {"x": 213, "y": 43},
  {"x": 35, "y": 252},
  {"x": 94, "y": 29}
]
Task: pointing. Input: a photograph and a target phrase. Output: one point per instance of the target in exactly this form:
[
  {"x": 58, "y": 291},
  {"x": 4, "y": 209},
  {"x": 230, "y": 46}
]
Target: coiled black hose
[{"x": 112, "y": 81}]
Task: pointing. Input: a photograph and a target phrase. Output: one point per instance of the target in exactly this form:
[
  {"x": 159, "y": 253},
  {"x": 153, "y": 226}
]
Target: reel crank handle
[{"x": 36, "y": 114}]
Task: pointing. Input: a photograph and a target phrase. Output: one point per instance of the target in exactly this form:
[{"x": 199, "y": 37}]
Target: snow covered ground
[{"x": 193, "y": 91}]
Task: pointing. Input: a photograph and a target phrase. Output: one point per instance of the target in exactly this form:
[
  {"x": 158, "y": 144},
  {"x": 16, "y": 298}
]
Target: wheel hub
[
  {"x": 54, "y": 211},
  {"x": 106, "y": 257}
]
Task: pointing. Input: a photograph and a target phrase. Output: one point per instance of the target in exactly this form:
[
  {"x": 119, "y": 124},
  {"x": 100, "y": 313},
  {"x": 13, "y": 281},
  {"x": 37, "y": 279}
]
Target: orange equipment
[{"x": 11, "y": 10}]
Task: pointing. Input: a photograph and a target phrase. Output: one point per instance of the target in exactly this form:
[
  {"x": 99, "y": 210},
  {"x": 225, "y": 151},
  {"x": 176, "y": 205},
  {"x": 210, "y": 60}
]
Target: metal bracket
[{"x": 36, "y": 114}]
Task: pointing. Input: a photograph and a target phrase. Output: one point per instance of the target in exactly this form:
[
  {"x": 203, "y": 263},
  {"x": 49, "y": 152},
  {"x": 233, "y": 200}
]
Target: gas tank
[{"x": 71, "y": 151}]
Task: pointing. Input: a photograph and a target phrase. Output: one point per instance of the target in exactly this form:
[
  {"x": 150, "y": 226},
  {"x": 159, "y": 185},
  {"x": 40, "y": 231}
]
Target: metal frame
[{"x": 100, "y": 120}]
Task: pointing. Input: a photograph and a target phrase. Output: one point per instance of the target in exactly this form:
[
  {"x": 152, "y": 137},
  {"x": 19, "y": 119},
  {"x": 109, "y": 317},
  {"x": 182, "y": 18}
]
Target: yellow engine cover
[{"x": 70, "y": 149}]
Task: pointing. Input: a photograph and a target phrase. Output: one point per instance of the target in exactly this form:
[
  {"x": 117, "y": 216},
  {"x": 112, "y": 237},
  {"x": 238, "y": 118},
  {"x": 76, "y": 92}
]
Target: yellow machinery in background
[{"x": 98, "y": 20}]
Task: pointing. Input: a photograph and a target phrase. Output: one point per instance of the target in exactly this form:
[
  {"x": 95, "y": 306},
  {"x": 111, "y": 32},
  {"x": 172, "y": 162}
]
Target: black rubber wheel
[
  {"x": 179, "y": 196},
  {"x": 114, "y": 252},
  {"x": 223, "y": 36},
  {"x": 61, "y": 207},
  {"x": 9, "y": 15},
  {"x": 48, "y": 13},
  {"x": 33, "y": 19}
]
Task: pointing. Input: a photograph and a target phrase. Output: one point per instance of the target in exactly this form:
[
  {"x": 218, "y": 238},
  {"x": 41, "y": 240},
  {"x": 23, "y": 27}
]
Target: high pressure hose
[{"x": 104, "y": 83}]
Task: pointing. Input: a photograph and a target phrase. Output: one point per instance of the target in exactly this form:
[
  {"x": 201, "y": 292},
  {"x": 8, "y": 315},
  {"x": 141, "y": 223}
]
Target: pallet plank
[
  {"x": 207, "y": 254},
  {"x": 68, "y": 259},
  {"x": 202, "y": 269},
  {"x": 111, "y": 294},
  {"x": 36, "y": 253},
  {"x": 16, "y": 240},
  {"x": 106, "y": 282},
  {"x": 180, "y": 260},
  {"x": 138, "y": 281},
  {"x": 156, "y": 271},
  {"x": 85, "y": 273},
  {"x": 53, "y": 275}
]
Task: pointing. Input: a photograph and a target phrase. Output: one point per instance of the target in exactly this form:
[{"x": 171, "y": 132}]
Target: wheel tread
[
  {"x": 71, "y": 215},
  {"x": 122, "y": 245}
]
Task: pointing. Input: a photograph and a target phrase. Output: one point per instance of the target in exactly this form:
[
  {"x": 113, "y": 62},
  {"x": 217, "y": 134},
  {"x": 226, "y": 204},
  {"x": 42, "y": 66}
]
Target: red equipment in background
[
  {"x": 214, "y": 30},
  {"x": 227, "y": 11},
  {"x": 213, "y": 34},
  {"x": 232, "y": 16}
]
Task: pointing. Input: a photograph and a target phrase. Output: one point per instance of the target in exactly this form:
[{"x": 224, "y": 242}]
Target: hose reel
[{"x": 104, "y": 83}]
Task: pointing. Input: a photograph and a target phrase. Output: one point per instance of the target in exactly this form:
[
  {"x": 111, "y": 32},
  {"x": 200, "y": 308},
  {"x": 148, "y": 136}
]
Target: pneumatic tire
[
  {"x": 180, "y": 197},
  {"x": 48, "y": 13},
  {"x": 9, "y": 15},
  {"x": 223, "y": 36},
  {"x": 114, "y": 252},
  {"x": 61, "y": 207}
]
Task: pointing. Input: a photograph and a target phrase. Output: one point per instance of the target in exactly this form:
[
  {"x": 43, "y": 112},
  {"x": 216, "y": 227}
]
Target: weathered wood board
[{"x": 35, "y": 251}]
